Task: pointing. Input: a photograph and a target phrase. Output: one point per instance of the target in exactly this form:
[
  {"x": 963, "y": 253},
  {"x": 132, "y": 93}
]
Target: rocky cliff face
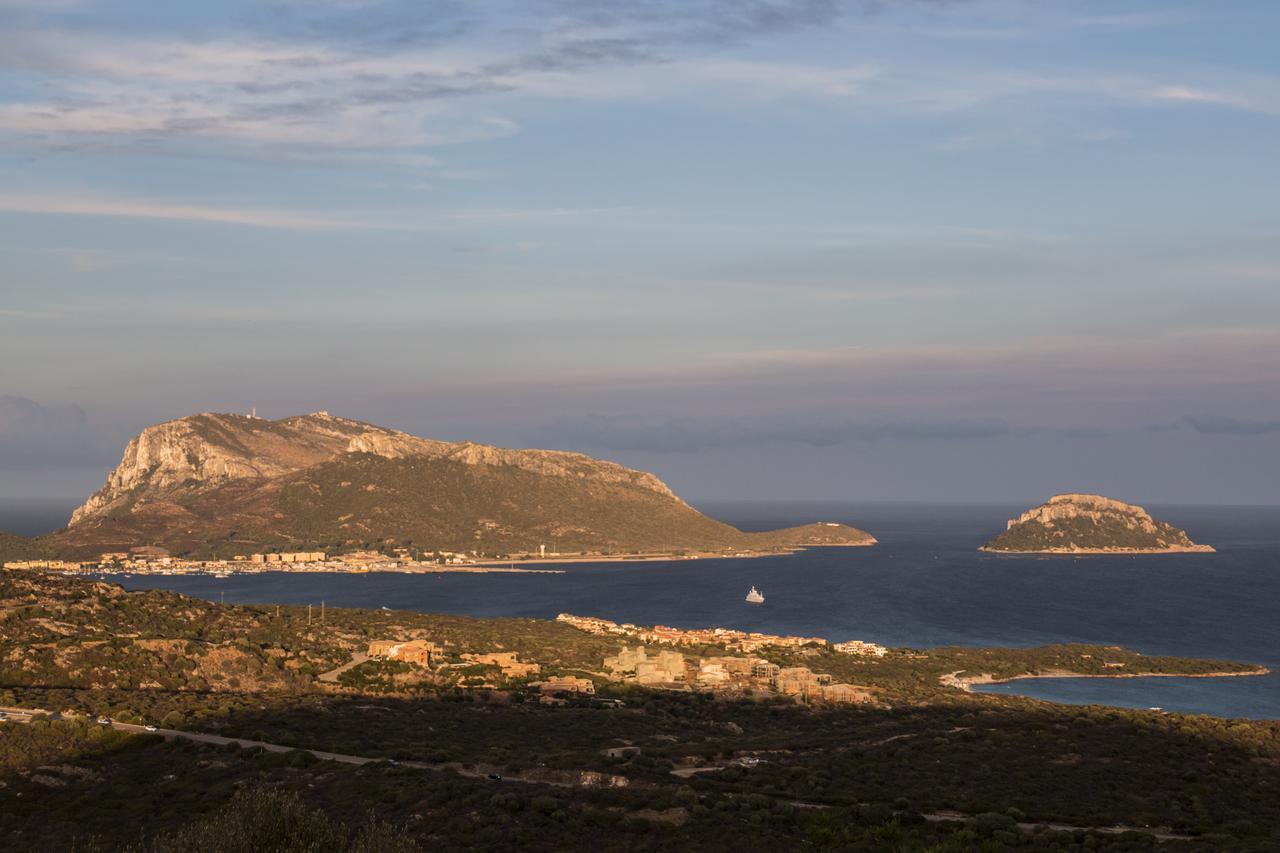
[
  {"x": 1082, "y": 523},
  {"x": 231, "y": 484},
  {"x": 1093, "y": 507},
  {"x": 208, "y": 449}
]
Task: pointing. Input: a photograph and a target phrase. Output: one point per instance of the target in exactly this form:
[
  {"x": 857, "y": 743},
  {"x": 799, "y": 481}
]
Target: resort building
[
  {"x": 664, "y": 668},
  {"x": 567, "y": 684},
  {"x": 800, "y": 681},
  {"x": 858, "y": 647},
  {"x": 506, "y": 661},
  {"x": 421, "y": 652}
]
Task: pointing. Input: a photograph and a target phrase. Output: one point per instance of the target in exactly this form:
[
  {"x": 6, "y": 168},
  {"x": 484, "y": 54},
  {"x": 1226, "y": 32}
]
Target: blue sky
[{"x": 784, "y": 249}]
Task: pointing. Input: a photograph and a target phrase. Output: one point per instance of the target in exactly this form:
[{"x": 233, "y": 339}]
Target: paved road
[
  {"x": 331, "y": 676},
  {"x": 1158, "y": 833},
  {"x": 25, "y": 715},
  {"x": 21, "y": 715}
]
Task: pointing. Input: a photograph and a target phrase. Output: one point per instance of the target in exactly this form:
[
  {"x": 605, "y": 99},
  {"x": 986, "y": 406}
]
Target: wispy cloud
[
  {"x": 1128, "y": 21},
  {"x": 686, "y": 435},
  {"x": 1189, "y": 94},
  {"x": 413, "y": 220},
  {"x": 386, "y": 78},
  {"x": 28, "y": 315},
  {"x": 765, "y": 79},
  {"x": 1215, "y": 425},
  {"x": 35, "y": 435},
  {"x": 142, "y": 209}
]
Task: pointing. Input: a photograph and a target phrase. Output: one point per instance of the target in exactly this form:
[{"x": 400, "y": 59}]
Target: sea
[{"x": 925, "y": 584}]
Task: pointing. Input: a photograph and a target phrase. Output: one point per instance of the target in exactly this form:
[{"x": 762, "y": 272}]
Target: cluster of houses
[
  {"x": 742, "y": 641},
  {"x": 664, "y": 669},
  {"x": 431, "y": 655},
  {"x": 672, "y": 670}
]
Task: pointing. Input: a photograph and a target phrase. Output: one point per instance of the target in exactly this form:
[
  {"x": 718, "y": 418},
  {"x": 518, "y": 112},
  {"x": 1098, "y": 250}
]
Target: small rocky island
[{"x": 1090, "y": 524}]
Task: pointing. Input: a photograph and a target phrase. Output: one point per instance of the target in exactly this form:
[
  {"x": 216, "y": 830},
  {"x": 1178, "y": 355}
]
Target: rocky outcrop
[
  {"x": 1076, "y": 523},
  {"x": 209, "y": 448}
]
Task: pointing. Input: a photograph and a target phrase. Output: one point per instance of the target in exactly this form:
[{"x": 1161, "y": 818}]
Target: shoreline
[
  {"x": 478, "y": 566},
  {"x": 967, "y": 683},
  {"x": 508, "y": 566},
  {"x": 570, "y": 559},
  {"x": 1068, "y": 552}
]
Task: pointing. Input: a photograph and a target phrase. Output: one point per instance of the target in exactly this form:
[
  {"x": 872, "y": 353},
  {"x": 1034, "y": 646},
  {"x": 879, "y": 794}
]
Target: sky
[{"x": 959, "y": 250}]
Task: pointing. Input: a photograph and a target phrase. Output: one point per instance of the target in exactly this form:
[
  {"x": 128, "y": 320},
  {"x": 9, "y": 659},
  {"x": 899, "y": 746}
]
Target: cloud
[
  {"x": 1138, "y": 20},
  {"x": 393, "y": 77},
  {"x": 23, "y": 314},
  {"x": 686, "y": 435},
  {"x": 1231, "y": 426},
  {"x": 36, "y": 436},
  {"x": 769, "y": 79},
  {"x": 1190, "y": 94},
  {"x": 374, "y": 75},
  {"x": 288, "y": 219},
  {"x": 150, "y": 209}
]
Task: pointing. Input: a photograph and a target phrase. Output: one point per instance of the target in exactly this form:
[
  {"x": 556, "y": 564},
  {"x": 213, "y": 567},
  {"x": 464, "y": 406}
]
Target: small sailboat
[{"x": 754, "y": 596}]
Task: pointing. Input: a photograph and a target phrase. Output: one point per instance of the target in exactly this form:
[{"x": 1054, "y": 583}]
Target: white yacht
[{"x": 754, "y": 596}]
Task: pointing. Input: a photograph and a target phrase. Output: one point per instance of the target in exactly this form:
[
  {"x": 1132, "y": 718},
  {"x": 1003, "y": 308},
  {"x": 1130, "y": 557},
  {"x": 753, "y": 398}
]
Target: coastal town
[
  {"x": 158, "y": 561},
  {"x": 745, "y": 675}
]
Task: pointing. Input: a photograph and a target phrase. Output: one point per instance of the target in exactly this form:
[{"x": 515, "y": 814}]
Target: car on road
[
  {"x": 497, "y": 777},
  {"x": 104, "y": 720},
  {"x": 150, "y": 727}
]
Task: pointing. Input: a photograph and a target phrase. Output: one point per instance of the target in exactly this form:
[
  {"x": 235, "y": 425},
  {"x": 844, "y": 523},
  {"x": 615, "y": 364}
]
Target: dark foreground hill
[
  {"x": 1091, "y": 524},
  {"x": 457, "y": 766},
  {"x": 223, "y": 484}
]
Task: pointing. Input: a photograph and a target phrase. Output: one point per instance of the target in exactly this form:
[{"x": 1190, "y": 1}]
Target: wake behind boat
[{"x": 754, "y": 596}]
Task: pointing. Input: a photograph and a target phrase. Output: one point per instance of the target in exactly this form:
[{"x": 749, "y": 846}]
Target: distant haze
[{"x": 982, "y": 250}]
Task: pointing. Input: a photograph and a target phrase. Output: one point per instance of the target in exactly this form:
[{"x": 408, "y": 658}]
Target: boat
[{"x": 754, "y": 596}]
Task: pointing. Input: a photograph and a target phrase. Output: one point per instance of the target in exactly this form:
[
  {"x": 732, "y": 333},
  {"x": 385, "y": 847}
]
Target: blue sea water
[{"x": 924, "y": 585}]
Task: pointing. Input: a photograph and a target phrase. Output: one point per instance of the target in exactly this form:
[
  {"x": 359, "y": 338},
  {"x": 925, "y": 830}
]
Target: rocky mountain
[
  {"x": 225, "y": 484},
  {"x": 1090, "y": 524}
]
